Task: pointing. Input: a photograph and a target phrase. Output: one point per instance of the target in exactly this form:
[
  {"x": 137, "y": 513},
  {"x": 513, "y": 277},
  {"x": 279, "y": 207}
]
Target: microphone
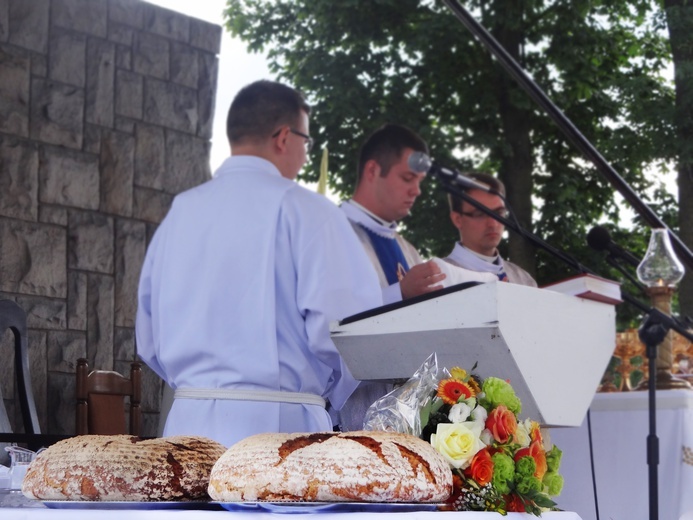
[
  {"x": 420, "y": 162},
  {"x": 599, "y": 239}
]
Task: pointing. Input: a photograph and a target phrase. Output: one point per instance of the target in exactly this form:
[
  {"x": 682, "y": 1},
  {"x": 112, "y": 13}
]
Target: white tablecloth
[
  {"x": 619, "y": 434},
  {"x": 64, "y": 514}
]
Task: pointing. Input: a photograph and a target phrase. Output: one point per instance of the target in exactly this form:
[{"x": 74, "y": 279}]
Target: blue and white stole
[{"x": 383, "y": 239}]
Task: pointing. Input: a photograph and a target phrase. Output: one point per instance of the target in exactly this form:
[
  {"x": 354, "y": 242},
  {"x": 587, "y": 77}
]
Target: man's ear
[
  {"x": 371, "y": 170},
  {"x": 456, "y": 219},
  {"x": 279, "y": 142}
]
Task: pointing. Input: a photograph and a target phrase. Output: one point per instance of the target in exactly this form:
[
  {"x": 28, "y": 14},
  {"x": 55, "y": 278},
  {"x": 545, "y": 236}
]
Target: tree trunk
[
  {"x": 679, "y": 15},
  {"x": 516, "y": 158}
]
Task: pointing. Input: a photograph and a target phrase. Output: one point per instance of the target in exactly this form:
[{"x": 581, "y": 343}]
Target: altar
[{"x": 619, "y": 433}]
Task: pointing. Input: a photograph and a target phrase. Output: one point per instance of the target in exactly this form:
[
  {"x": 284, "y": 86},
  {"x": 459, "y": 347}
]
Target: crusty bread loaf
[
  {"x": 121, "y": 467},
  {"x": 331, "y": 467}
]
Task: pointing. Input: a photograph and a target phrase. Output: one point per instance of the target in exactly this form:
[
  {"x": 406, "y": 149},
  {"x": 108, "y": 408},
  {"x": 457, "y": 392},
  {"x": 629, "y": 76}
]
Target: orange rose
[
  {"x": 537, "y": 452},
  {"x": 502, "y": 423},
  {"x": 481, "y": 468}
]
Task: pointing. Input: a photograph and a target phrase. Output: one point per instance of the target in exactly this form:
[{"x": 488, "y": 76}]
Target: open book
[{"x": 590, "y": 287}]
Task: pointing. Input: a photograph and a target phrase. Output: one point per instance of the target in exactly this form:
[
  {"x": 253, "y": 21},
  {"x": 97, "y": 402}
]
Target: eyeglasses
[
  {"x": 480, "y": 215},
  {"x": 309, "y": 139}
]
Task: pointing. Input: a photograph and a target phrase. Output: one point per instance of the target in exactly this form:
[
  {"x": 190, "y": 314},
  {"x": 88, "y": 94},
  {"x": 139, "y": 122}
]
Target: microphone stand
[
  {"x": 566, "y": 126},
  {"x": 655, "y": 327}
]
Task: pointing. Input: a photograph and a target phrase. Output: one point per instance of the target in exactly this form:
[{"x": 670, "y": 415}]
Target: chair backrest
[
  {"x": 13, "y": 317},
  {"x": 101, "y": 396}
]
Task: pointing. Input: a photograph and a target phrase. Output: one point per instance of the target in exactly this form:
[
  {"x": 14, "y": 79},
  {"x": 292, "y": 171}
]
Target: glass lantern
[{"x": 660, "y": 267}]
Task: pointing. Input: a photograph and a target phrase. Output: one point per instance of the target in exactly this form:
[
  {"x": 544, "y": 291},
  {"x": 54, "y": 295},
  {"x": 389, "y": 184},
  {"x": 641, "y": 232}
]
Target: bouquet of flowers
[{"x": 499, "y": 463}]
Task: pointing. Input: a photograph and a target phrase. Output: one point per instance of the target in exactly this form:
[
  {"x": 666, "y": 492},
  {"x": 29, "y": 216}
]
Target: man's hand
[{"x": 421, "y": 279}]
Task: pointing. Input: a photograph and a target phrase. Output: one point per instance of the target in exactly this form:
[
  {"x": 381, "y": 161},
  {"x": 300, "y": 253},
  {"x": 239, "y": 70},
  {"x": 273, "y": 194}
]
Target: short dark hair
[
  {"x": 494, "y": 183},
  {"x": 259, "y": 108},
  {"x": 386, "y": 145}
]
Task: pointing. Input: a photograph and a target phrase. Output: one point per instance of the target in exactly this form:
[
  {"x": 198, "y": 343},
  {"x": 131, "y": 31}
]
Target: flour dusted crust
[
  {"x": 331, "y": 467},
  {"x": 121, "y": 467}
]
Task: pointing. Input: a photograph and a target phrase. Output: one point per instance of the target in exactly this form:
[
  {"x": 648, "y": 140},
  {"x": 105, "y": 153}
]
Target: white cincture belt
[{"x": 249, "y": 395}]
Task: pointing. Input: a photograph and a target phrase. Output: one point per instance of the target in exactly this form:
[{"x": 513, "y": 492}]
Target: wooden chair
[{"x": 101, "y": 400}]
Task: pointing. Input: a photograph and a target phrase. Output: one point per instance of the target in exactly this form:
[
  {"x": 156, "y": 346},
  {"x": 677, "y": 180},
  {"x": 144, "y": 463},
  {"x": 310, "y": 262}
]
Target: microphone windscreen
[
  {"x": 599, "y": 238},
  {"x": 419, "y": 162}
]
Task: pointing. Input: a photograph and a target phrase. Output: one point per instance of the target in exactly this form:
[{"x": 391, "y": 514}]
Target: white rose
[
  {"x": 521, "y": 436},
  {"x": 458, "y": 443}
]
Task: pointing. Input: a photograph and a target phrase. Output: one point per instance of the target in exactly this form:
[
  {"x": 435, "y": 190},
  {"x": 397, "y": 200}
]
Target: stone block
[
  {"x": 129, "y": 12},
  {"x": 170, "y": 105},
  {"x": 4, "y": 20},
  {"x": 187, "y": 162},
  {"x": 131, "y": 246},
  {"x": 184, "y": 68},
  {"x": 53, "y": 215},
  {"x": 151, "y": 390},
  {"x": 39, "y": 374},
  {"x": 165, "y": 22},
  {"x": 206, "y": 94},
  {"x": 125, "y": 125},
  {"x": 29, "y": 24},
  {"x": 61, "y": 403},
  {"x": 124, "y": 344},
  {"x": 123, "y": 57},
  {"x": 92, "y": 139},
  {"x": 150, "y": 55},
  {"x": 57, "y": 113},
  {"x": 39, "y": 65},
  {"x": 68, "y": 178},
  {"x": 86, "y": 16},
  {"x": 151, "y": 205},
  {"x": 150, "y": 156},
  {"x": 119, "y": 33},
  {"x": 205, "y": 35},
  {"x": 15, "y": 71},
  {"x": 64, "y": 349},
  {"x": 67, "y": 57},
  {"x": 100, "y": 321},
  {"x": 150, "y": 424},
  {"x": 117, "y": 164},
  {"x": 90, "y": 242},
  {"x": 19, "y": 179},
  {"x": 77, "y": 300},
  {"x": 43, "y": 313},
  {"x": 32, "y": 258},
  {"x": 129, "y": 94},
  {"x": 100, "y": 82}
]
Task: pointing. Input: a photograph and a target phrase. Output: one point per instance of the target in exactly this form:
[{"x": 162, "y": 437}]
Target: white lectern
[{"x": 553, "y": 348}]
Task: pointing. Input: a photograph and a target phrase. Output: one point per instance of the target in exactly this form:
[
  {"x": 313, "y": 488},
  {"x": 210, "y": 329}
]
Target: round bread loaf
[
  {"x": 331, "y": 467},
  {"x": 123, "y": 468}
]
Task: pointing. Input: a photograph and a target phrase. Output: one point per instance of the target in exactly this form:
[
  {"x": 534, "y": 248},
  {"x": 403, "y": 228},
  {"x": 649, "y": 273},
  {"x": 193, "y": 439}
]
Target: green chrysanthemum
[{"x": 499, "y": 392}]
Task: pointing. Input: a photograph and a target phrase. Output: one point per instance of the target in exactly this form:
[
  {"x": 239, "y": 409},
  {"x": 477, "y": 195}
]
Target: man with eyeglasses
[
  {"x": 480, "y": 233},
  {"x": 242, "y": 279}
]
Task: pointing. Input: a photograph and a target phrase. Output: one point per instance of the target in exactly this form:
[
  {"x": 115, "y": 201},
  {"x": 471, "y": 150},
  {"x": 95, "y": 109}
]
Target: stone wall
[{"x": 105, "y": 114}]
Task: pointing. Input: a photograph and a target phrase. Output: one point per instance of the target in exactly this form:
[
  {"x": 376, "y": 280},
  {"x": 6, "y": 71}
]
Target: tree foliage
[{"x": 366, "y": 62}]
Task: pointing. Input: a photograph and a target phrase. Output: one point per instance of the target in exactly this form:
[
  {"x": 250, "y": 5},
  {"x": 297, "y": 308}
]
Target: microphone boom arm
[{"x": 454, "y": 189}]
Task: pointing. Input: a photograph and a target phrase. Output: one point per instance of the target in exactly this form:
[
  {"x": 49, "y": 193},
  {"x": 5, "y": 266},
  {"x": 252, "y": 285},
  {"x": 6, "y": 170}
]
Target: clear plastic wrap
[{"x": 400, "y": 410}]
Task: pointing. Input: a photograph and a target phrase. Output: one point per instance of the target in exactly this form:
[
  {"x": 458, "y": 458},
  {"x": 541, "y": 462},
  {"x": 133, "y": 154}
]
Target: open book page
[{"x": 456, "y": 275}]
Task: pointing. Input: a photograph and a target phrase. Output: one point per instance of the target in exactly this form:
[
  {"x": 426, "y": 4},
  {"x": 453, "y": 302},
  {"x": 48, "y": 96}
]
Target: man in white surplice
[
  {"x": 242, "y": 279},
  {"x": 480, "y": 234},
  {"x": 386, "y": 189}
]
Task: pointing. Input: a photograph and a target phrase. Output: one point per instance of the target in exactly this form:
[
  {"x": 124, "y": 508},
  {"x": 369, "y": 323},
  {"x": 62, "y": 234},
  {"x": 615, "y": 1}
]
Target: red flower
[
  {"x": 481, "y": 468},
  {"x": 514, "y": 504},
  {"x": 451, "y": 390},
  {"x": 536, "y": 451},
  {"x": 502, "y": 423}
]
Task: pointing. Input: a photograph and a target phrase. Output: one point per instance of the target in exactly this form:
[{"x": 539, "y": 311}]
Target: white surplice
[{"x": 237, "y": 290}]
